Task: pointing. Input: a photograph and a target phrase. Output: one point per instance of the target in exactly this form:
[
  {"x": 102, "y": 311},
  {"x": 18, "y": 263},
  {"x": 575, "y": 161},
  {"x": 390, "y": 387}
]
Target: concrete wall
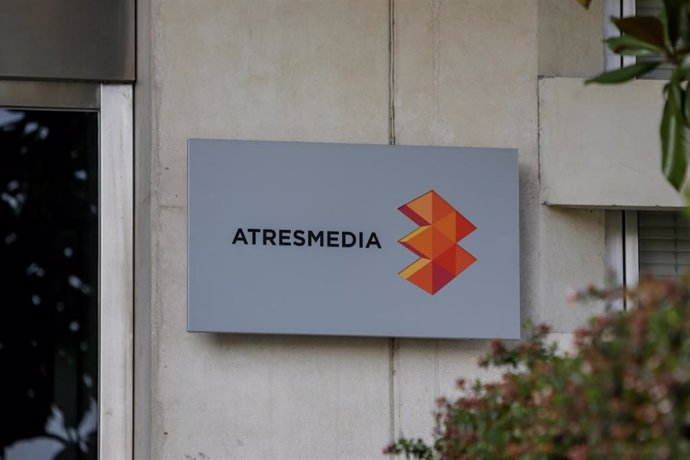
[
  {"x": 606, "y": 137},
  {"x": 272, "y": 70},
  {"x": 465, "y": 73},
  {"x": 452, "y": 59},
  {"x": 570, "y": 38}
]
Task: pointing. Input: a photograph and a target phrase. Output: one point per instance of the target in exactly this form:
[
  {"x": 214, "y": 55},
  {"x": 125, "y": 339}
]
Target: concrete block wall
[
  {"x": 463, "y": 73},
  {"x": 605, "y": 137}
]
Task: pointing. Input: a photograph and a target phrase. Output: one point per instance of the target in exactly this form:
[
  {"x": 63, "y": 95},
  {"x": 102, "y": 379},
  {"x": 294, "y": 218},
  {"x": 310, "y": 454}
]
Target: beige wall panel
[
  {"x": 570, "y": 38},
  {"x": 271, "y": 70},
  {"x": 600, "y": 144},
  {"x": 466, "y": 75},
  {"x": 427, "y": 370},
  {"x": 572, "y": 258},
  {"x": 245, "y": 396},
  {"x": 267, "y": 70},
  {"x": 431, "y": 368}
]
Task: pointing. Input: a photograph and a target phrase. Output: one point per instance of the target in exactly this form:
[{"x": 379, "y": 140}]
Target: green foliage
[
  {"x": 624, "y": 73},
  {"x": 623, "y": 392},
  {"x": 665, "y": 39},
  {"x": 674, "y": 136}
]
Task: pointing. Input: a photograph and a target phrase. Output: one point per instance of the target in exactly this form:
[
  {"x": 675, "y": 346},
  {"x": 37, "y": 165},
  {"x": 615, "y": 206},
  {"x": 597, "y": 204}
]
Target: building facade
[{"x": 476, "y": 73}]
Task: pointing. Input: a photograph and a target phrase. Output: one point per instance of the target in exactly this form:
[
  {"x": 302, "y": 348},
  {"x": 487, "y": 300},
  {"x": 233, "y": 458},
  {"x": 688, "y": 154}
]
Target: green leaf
[
  {"x": 649, "y": 29},
  {"x": 674, "y": 138},
  {"x": 683, "y": 70},
  {"x": 686, "y": 107},
  {"x": 628, "y": 45},
  {"x": 624, "y": 73}
]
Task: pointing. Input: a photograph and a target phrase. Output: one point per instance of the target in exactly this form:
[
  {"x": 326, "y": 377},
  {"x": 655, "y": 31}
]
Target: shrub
[{"x": 624, "y": 392}]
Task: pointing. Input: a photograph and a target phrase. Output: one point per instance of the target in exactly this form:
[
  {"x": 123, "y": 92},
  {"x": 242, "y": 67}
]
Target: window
[
  {"x": 49, "y": 280},
  {"x": 653, "y": 8},
  {"x": 621, "y": 8},
  {"x": 651, "y": 243},
  {"x": 664, "y": 244},
  {"x": 644, "y": 242},
  {"x": 66, "y": 248}
]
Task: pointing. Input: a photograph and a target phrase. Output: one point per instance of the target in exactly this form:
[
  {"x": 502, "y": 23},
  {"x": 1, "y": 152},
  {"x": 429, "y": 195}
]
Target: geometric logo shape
[{"x": 441, "y": 227}]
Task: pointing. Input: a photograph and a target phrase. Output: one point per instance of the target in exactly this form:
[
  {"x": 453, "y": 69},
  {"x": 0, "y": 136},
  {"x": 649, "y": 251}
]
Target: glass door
[
  {"x": 49, "y": 281},
  {"x": 65, "y": 227}
]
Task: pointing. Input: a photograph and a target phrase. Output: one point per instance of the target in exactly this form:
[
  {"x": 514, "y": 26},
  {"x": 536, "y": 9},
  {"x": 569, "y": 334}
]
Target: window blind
[
  {"x": 653, "y": 8},
  {"x": 664, "y": 244},
  {"x": 648, "y": 7}
]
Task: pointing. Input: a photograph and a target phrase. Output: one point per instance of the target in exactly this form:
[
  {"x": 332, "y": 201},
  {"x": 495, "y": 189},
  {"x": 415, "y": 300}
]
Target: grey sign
[{"x": 305, "y": 238}]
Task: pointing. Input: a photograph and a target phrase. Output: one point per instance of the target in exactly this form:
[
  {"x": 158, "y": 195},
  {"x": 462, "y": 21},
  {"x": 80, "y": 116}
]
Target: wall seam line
[
  {"x": 393, "y": 343},
  {"x": 391, "y": 72}
]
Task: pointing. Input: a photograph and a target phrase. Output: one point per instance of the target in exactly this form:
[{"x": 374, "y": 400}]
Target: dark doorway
[{"x": 48, "y": 284}]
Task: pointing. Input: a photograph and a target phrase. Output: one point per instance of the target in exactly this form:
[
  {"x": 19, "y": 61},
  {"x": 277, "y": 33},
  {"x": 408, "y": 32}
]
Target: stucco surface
[
  {"x": 234, "y": 396},
  {"x": 572, "y": 258},
  {"x": 273, "y": 70},
  {"x": 465, "y": 74},
  {"x": 600, "y": 144},
  {"x": 266, "y": 70},
  {"x": 570, "y": 38}
]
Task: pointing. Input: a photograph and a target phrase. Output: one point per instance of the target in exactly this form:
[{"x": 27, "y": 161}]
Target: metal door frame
[{"x": 114, "y": 104}]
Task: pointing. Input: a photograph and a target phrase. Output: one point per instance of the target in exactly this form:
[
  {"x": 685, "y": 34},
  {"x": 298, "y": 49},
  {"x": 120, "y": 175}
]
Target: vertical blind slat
[{"x": 664, "y": 244}]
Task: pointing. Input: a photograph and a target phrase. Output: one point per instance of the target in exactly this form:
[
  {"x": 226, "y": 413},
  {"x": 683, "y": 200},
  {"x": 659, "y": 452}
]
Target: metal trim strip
[{"x": 50, "y": 95}]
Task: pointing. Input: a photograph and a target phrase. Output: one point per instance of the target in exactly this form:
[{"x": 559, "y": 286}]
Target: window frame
[
  {"x": 114, "y": 104},
  {"x": 621, "y": 238},
  {"x": 617, "y": 8}
]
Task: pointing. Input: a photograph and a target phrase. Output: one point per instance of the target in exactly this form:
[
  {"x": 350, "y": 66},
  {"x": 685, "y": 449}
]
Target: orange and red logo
[{"x": 441, "y": 227}]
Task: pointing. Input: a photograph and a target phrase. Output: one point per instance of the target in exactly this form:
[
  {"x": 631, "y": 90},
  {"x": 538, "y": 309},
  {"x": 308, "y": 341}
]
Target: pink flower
[{"x": 571, "y": 295}]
